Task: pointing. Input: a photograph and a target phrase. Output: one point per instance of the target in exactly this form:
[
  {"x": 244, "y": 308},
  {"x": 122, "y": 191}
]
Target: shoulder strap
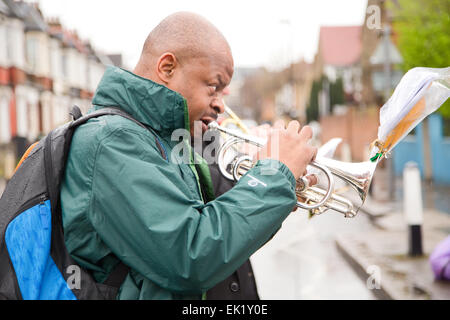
[
  {"x": 75, "y": 112},
  {"x": 79, "y": 120},
  {"x": 117, "y": 276},
  {"x": 119, "y": 273}
]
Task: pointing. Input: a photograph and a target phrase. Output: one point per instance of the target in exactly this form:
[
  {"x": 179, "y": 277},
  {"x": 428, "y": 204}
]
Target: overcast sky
[{"x": 261, "y": 33}]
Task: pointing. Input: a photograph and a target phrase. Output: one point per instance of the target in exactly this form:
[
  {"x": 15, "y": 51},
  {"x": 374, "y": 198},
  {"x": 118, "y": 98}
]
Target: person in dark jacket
[{"x": 241, "y": 285}]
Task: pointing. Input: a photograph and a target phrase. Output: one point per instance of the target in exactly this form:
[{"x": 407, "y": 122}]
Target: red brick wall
[
  {"x": 86, "y": 94},
  {"x": 358, "y": 128},
  {"x": 17, "y": 76},
  {"x": 12, "y": 115},
  {"x": 4, "y": 76},
  {"x": 46, "y": 83}
]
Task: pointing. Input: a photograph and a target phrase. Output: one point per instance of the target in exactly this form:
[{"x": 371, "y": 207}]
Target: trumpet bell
[
  {"x": 359, "y": 175},
  {"x": 356, "y": 175}
]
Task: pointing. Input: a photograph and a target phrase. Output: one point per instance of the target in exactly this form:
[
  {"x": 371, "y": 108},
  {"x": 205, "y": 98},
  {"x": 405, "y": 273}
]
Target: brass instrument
[
  {"x": 420, "y": 92},
  {"x": 315, "y": 199},
  {"x": 234, "y": 119}
]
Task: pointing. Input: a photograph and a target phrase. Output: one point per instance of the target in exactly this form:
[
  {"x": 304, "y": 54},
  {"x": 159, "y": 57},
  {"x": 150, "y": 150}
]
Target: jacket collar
[{"x": 155, "y": 105}]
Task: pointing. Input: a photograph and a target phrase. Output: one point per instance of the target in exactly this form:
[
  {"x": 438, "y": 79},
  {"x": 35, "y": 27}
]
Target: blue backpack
[{"x": 34, "y": 261}]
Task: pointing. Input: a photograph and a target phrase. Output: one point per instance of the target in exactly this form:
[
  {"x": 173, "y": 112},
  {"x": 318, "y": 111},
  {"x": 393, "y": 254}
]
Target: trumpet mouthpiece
[{"x": 213, "y": 125}]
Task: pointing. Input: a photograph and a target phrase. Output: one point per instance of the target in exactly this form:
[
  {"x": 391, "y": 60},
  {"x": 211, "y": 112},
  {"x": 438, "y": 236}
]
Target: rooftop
[{"x": 340, "y": 46}]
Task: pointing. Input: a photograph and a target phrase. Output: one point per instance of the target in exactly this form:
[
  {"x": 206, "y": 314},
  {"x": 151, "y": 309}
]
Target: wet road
[{"x": 303, "y": 262}]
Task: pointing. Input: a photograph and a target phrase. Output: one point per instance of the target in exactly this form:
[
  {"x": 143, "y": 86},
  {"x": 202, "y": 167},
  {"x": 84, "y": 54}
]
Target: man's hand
[{"x": 290, "y": 146}]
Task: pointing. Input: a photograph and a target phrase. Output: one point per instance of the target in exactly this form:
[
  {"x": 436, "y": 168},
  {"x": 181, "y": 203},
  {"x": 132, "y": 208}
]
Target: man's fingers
[
  {"x": 312, "y": 153},
  {"x": 315, "y": 150},
  {"x": 312, "y": 179},
  {"x": 294, "y": 126},
  {"x": 306, "y": 133},
  {"x": 279, "y": 124}
]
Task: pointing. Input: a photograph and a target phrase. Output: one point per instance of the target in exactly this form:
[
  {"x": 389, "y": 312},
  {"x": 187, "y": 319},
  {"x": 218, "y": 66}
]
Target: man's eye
[{"x": 213, "y": 87}]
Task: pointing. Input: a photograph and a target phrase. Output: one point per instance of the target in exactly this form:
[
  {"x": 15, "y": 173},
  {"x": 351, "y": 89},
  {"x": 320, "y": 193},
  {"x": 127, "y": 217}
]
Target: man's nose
[{"x": 218, "y": 105}]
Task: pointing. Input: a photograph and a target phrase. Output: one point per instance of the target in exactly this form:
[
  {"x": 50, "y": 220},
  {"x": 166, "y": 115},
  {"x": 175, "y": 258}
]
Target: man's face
[{"x": 201, "y": 82}]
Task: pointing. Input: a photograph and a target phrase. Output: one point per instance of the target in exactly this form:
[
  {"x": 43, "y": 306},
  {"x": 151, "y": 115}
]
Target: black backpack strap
[
  {"x": 102, "y": 112},
  {"x": 118, "y": 112},
  {"x": 117, "y": 276},
  {"x": 75, "y": 112}
]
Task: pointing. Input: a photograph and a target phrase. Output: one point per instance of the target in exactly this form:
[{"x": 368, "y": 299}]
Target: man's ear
[{"x": 165, "y": 67}]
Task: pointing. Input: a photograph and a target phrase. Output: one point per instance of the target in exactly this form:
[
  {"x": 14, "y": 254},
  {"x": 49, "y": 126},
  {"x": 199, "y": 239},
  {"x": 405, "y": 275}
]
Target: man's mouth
[{"x": 206, "y": 121}]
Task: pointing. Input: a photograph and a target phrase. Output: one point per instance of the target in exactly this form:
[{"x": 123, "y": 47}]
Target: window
[
  {"x": 32, "y": 53},
  {"x": 64, "y": 64},
  {"x": 3, "y": 48},
  {"x": 5, "y": 134},
  {"x": 9, "y": 44}
]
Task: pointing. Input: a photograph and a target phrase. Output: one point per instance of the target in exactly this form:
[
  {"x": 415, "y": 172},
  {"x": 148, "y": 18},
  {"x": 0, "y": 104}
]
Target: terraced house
[{"x": 44, "y": 70}]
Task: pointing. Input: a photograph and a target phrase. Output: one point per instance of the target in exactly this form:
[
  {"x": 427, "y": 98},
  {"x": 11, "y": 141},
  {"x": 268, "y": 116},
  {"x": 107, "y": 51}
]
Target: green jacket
[{"x": 122, "y": 200}]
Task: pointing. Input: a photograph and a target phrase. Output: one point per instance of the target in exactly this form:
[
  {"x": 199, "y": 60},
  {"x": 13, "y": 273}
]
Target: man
[{"x": 126, "y": 198}]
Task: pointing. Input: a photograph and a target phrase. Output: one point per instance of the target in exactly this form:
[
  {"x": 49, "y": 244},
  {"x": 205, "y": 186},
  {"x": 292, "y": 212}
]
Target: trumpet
[
  {"x": 314, "y": 199},
  {"x": 234, "y": 119},
  {"x": 426, "y": 88}
]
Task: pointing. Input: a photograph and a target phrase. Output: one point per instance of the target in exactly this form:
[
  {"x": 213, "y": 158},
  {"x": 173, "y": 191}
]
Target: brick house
[
  {"x": 44, "y": 70},
  {"x": 338, "y": 56},
  {"x": 354, "y": 54}
]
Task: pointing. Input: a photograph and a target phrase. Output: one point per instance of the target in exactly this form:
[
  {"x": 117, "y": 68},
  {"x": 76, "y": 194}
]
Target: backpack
[{"x": 34, "y": 261}]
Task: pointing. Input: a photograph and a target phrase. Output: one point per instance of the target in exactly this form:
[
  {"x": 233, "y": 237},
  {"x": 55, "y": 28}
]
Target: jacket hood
[{"x": 153, "y": 104}]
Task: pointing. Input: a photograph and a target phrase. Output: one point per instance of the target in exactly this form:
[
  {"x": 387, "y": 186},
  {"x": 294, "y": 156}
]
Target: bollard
[{"x": 413, "y": 207}]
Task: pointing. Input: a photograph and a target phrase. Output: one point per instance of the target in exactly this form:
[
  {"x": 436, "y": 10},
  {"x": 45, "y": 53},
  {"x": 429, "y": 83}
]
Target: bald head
[
  {"x": 189, "y": 55},
  {"x": 186, "y": 35}
]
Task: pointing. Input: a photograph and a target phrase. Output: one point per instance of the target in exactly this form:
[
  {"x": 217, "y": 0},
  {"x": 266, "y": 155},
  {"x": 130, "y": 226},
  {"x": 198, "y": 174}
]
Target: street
[{"x": 303, "y": 262}]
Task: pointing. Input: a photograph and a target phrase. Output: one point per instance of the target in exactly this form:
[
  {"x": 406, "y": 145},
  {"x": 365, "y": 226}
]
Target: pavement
[
  {"x": 362, "y": 258},
  {"x": 384, "y": 250},
  {"x": 380, "y": 256},
  {"x": 302, "y": 262}
]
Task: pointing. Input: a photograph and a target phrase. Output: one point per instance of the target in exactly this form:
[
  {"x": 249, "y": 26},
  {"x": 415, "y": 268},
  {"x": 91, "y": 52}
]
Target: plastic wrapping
[{"x": 420, "y": 92}]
